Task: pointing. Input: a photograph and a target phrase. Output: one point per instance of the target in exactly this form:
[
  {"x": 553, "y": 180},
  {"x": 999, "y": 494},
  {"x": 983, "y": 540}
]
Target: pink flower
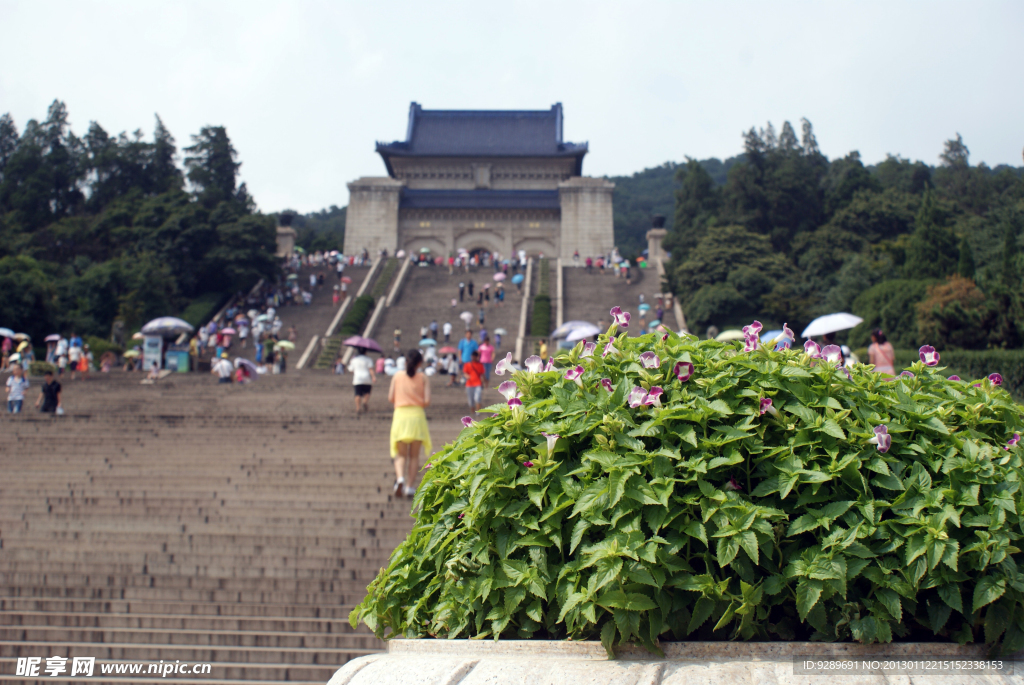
[
  {"x": 650, "y": 360},
  {"x": 574, "y": 375},
  {"x": 636, "y": 397},
  {"x": 882, "y": 439},
  {"x": 766, "y": 407},
  {"x": 812, "y": 349},
  {"x": 733, "y": 484},
  {"x": 996, "y": 378},
  {"x": 831, "y": 353},
  {"x": 467, "y": 421},
  {"x": 550, "y": 365},
  {"x": 588, "y": 350},
  {"x": 461, "y": 515},
  {"x": 552, "y": 438},
  {"x": 907, "y": 374},
  {"x": 515, "y": 404},
  {"x": 753, "y": 329},
  {"x": 664, "y": 337},
  {"x": 534, "y": 364},
  {"x": 621, "y": 317},
  {"x": 786, "y": 334},
  {"x": 928, "y": 355},
  {"x": 606, "y": 383},
  {"x": 1013, "y": 441},
  {"x": 683, "y": 371},
  {"x": 509, "y": 389},
  {"x": 504, "y": 365},
  {"x": 653, "y": 397},
  {"x": 750, "y": 343},
  {"x": 428, "y": 466},
  {"x": 954, "y": 377},
  {"x": 528, "y": 464},
  {"x": 609, "y": 349}
]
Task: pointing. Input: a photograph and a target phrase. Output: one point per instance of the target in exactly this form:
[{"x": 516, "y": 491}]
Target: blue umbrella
[
  {"x": 644, "y": 307},
  {"x": 427, "y": 342},
  {"x": 654, "y": 324},
  {"x": 771, "y": 335},
  {"x": 518, "y": 278}
]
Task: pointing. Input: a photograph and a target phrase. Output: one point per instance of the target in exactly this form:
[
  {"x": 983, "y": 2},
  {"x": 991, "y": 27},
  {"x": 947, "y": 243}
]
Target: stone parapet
[
  {"x": 371, "y": 221},
  {"x": 587, "y": 222}
]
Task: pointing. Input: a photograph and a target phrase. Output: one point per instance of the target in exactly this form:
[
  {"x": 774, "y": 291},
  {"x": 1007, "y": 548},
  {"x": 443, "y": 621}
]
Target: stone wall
[
  {"x": 587, "y": 222},
  {"x": 482, "y": 173},
  {"x": 503, "y": 230},
  {"x": 372, "y": 218}
]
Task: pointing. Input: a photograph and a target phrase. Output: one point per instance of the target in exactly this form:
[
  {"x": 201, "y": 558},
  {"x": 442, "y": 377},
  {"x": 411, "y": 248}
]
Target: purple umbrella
[{"x": 360, "y": 341}]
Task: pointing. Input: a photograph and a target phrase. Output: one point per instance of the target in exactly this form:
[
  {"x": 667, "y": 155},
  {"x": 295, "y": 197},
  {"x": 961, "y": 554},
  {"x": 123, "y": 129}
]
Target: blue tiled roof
[
  {"x": 479, "y": 199},
  {"x": 483, "y": 133}
]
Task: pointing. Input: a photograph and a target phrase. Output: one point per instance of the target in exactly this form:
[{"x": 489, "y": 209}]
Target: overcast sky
[{"x": 305, "y": 88}]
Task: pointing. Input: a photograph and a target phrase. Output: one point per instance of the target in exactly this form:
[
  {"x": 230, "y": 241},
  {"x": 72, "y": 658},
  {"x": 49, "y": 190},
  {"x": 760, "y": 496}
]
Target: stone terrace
[{"x": 198, "y": 522}]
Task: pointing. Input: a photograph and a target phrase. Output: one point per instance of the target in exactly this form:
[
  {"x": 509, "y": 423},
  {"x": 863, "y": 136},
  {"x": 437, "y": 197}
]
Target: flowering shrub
[{"x": 676, "y": 489}]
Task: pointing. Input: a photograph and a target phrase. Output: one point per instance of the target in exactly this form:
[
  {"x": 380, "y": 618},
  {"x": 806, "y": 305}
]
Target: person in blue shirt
[{"x": 467, "y": 346}]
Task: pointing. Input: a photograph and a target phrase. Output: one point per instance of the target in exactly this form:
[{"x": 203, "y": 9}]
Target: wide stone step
[{"x": 154, "y": 622}]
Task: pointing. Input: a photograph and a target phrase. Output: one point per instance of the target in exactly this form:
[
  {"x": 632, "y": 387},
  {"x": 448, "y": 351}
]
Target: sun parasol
[
  {"x": 346, "y": 279},
  {"x": 654, "y": 324},
  {"x": 466, "y": 316},
  {"x": 499, "y": 276},
  {"x": 138, "y": 336},
  {"x": 6, "y": 333},
  {"x": 53, "y": 337},
  {"x": 427, "y": 342},
  {"x": 285, "y": 345},
  {"x": 22, "y": 336},
  {"x": 424, "y": 250},
  {"x": 293, "y": 277},
  {"x": 644, "y": 307},
  {"x": 23, "y": 345},
  {"x": 830, "y": 323},
  {"x": 228, "y": 331},
  {"x": 448, "y": 349},
  {"x": 242, "y": 361},
  {"x": 500, "y": 331},
  {"x": 262, "y": 317},
  {"x": 300, "y": 250},
  {"x": 518, "y": 278},
  {"x": 582, "y": 333},
  {"x": 366, "y": 343},
  {"x": 772, "y": 335},
  {"x": 131, "y": 354},
  {"x": 167, "y": 325},
  {"x": 400, "y": 254},
  {"x": 569, "y": 326},
  {"x": 726, "y": 336}
]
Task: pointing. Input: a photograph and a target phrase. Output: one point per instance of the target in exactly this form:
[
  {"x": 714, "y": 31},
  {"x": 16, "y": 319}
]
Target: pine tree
[
  {"x": 965, "y": 267},
  {"x": 212, "y": 169},
  {"x": 932, "y": 252}
]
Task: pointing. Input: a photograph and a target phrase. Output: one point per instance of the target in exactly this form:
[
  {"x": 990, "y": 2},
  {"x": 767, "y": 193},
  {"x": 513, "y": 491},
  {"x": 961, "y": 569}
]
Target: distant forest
[
  {"x": 317, "y": 231},
  {"x": 100, "y": 226}
]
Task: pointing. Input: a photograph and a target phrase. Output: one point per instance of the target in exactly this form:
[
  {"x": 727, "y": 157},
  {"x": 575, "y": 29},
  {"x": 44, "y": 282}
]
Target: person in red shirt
[{"x": 474, "y": 372}]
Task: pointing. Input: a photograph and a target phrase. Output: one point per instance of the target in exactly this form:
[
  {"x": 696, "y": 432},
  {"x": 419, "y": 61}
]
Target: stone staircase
[
  {"x": 588, "y": 297},
  {"x": 195, "y": 522}
]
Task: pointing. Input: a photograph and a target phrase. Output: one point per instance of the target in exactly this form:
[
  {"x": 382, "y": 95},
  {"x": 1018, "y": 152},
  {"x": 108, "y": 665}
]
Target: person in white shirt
[
  {"x": 17, "y": 384},
  {"x": 223, "y": 368},
  {"x": 363, "y": 378},
  {"x": 447, "y": 330},
  {"x": 74, "y": 356}
]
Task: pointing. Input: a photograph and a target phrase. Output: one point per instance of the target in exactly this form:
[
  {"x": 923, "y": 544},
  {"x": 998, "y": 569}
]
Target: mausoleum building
[{"x": 501, "y": 181}]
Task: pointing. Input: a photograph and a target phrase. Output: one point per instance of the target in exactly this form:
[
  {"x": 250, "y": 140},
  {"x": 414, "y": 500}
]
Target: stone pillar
[
  {"x": 654, "y": 238},
  {"x": 285, "y": 240},
  {"x": 371, "y": 221},
  {"x": 587, "y": 223}
]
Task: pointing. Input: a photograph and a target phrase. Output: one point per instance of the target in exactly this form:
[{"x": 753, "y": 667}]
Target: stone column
[
  {"x": 371, "y": 221},
  {"x": 587, "y": 223},
  {"x": 285, "y": 240},
  {"x": 654, "y": 238}
]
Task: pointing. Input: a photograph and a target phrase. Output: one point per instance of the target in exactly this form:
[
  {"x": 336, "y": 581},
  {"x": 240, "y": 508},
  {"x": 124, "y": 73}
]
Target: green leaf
[
  {"x": 774, "y": 584},
  {"x": 891, "y": 601},
  {"x": 748, "y": 541},
  {"x": 865, "y": 629},
  {"x": 988, "y": 590},
  {"x": 689, "y": 435},
  {"x": 727, "y": 550},
  {"x": 608, "y": 638},
  {"x": 701, "y": 612},
  {"x": 938, "y": 615},
  {"x": 607, "y": 571},
  {"x": 807, "y": 594},
  {"x": 830, "y": 427},
  {"x": 950, "y": 594},
  {"x": 577, "y": 534},
  {"x": 695, "y": 529}
]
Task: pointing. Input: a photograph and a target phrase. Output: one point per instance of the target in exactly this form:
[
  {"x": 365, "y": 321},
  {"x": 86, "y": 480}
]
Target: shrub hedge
[
  {"x": 540, "y": 323},
  {"x": 746, "y": 501},
  {"x": 356, "y": 316},
  {"x": 380, "y": 287}
]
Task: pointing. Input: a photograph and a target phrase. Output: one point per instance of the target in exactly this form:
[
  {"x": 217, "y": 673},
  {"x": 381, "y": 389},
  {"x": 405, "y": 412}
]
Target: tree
[
  {"x": 212, "y": 166},
  {"x": 965, "y": 267},
  {"x": 697, "y": 201},
  {"x": 8, "y": 141},
  {"x": 164, "y": 174},
  {"x": 932, "y": 252}
]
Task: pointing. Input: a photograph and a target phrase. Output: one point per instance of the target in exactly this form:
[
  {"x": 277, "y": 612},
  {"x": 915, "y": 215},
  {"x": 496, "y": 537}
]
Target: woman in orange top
[
  {"x": 881, "y": 354},
  {"x": 410, "y": 393}
]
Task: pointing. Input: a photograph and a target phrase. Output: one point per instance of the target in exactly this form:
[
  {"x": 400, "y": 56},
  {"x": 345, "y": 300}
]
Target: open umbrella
[
  {"x": 518, "y": 278},
  {"x": 654, "y": 324},
  {"x": 346, "y": 279},
  {"x": 300, "y": 250},
  {"x": 6, "y": 333},
  {"x": 400, "y": 254},
  {"x": 500, "y": 331},
  {"x": 772, "y": 335},
  {"x": 138, "y": 336},
  {"x": 570, "y": 326},
  {"x": 830, "y": 323},
  {"x": 241, "y": 321},
  {"x": 424, "y": 250},
  {"x": 582, "y": 332},
  {"x": 228, "y": 331},
  {"x": 448, "y": 349},
  {"x": 131, "y": 354},
  {"x": 242, "y": 361},
  {"x": 23, "y": 345},
  {"x": 427, "y": 342},
  {"x": 466, "y": 316},
  {"x": 726, "y": 336},
  {"x": 22, "y": 336},
  {"x": 293, "y": 277},
  {"x": 167, "y": 325},
  {"x": 53, "y": 337},
  {"x": 499, "y": 276},
  {"x": 285, "y": 345},
  {"x": 262, "y": 317},
  {"x": 366, "y": 343}
]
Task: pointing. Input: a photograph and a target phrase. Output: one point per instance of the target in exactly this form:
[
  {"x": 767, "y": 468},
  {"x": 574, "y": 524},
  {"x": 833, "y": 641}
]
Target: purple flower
[
  {"x": 1013, "y": 441},
  {"x": 906, "y": 374},
  {"x": 621, "y": 317},
  {"x": 515, "y": 404},
  {"x": 882, "y": 438},
  {"x": 609, "y": 349},
  {"x": 636, "y": 397},
  {"x": 845, "y": 370},
  {"x": 550, "y": 365},
  {"x": 954, "y": 377},
  {"x": 504, "y": 365},
  {"x": 534, "y": 364},
  {"x": 588, "y": 350},
  {"x": 782, "y": 345},
  {"x": 928, "y": 355},
  {"x": 462, "y": 515},
  {"x": 428, "y": 466},
  {"x": 753, "y": 329},
  {"x": 509, "y": 389},
  {"x": 653, "y": 397},
  {"x": 683, "y": 371},
  {"x": 766, "y": 407},
  {"x": 574, "y": 375},
  {"x": 812, "y": 349},
  {"x": 831, "y": 353},
  {"x": 467, "y": 421},
  {"x": 976, "y": 385},
  {"x": 528, "y": 464},
  {"x": 552, "y": 438},
  {"x": 650, "y": 360},
  {"x": 606, "y": 383},
  {"x": 733, "y": 484},
  {"x": 786, "y": 334},
  {"x": 664, "y": 337},
  {"x": 996, "y": 378},
  {"x": 750, "y": 343}
]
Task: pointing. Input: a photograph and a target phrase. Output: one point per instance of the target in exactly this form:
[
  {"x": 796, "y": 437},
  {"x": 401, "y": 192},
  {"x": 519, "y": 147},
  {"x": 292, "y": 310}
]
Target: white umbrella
[
  {"x": 167, "y": 325},
  {"x": 830, "y": 323},
  {"x": 466, "y": 316},
  {"x": 6, "y": 333},
  {"x": 570, "y": 326},
  {"x": 726, "y": 336},
  {"x": 582, "y": 333}
]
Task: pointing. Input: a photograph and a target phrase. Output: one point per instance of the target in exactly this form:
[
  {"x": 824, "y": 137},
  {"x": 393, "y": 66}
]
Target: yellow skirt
[{"x": 410, "y": 425}]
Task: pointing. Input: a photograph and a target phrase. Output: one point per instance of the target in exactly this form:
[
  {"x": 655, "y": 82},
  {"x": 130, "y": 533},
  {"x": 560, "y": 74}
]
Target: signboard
[{"x": 152, "y": 351}]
